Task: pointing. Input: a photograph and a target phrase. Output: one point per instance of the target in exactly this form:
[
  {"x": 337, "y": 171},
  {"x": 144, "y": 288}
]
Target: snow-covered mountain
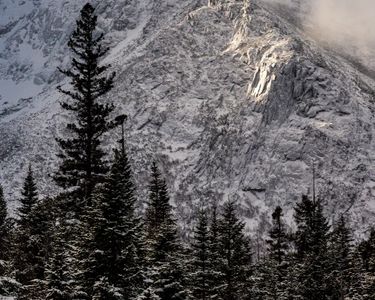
[{"x": 235, "y": 101}]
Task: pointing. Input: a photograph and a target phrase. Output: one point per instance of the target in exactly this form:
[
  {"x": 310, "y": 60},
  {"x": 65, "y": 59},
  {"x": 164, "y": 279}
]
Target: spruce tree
[
  {"x": 7, "y": 285},
  {"x": 4, "y": 232},
  {"x": 58, "y": 271},
  {"x": 164, "y": 251},
  {"x": 357, "y": 290},
  {"x": 271, "y": 273},
  {"x": 64, "y": 270},
  {"x": 214, "y": 233},
  {"x": 32, "y": 240},
  {"x": 83, "y": 162},
  {"x": 366, "y": 250},
  {"x": 312, "y": 250},
  {"x": 214, "y": 257},
  {"x": 278, "y": 241},
  {"x": 320, "y": 230},
  {"x": 304, "y": 214},
  {"x": 114, "y": 266},
  {"x": 340, "y": 255},
  {"x": 3, "y": 209},
  {"x": 28, "y": 200},
  {"x": 161, "y": 229},
  {"x": 199, "y": 278},
  {"x": 24, "y": 260},
  {"x": 234, "y": 254},
  {"x": 265, "y": 281}
]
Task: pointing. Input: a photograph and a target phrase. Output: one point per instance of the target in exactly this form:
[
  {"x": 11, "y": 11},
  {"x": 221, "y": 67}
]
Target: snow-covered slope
[{"x": 234, "y": 101}]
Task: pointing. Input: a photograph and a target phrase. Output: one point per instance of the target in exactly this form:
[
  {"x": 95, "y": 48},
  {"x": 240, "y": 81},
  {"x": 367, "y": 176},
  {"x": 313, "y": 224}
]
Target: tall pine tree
[
  {"x": 304, "y": 215},
  {"x": 270, "y": 279},
  {"x": 28, "y": 200},
  {"x": 164, "y": 252},
  {"x": 114, "y": 266},
  {"x": 312, "y": 250},
  {"x": 32, "y": 239},
  {"x": 83, "y": 159},
  {"x": 214, "y": 257},
  {"x": 24, "y": 261},
  {"x": 161, "y": 229},
  {"x": 7, "y": 285},
  {"x": 278, "y": 241},
  {"x": 234, "y": 254},
  {"x": 340, "y": 259},
  {"x": 58, "y": 272},
  {"x": 201, "y": 269},
  {"x": 367, "y": 276}
]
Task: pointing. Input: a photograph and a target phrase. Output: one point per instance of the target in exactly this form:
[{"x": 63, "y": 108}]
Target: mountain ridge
[{"x": 233, "y": 102}]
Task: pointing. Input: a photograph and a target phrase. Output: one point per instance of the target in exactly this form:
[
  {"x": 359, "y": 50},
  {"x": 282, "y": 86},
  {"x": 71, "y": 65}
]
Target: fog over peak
[{"x": 344, "y": 24}]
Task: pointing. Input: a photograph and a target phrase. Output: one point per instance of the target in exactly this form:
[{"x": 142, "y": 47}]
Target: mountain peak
[{"x": 236, "y": 101}]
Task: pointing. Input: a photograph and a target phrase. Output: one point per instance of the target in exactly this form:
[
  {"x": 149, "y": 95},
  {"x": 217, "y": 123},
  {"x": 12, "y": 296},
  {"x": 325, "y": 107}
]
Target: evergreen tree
[
  {"x": 28, "y": 200},
  {"x": 292, "y": 285},
  {"x": 304, "y": 214},
  {"x": 69, "y": 249},
  {"x": 367, "y": 277},
  {"x": 312, "y": 246},
  {"x": 24, "y": 258},
  {"x": 355, "y": 290},
  {"x": 271, "y": 273},
  {"x": 340, "y": 253},
  {"x": 214, "y": 257},
  {"x": 111, "y": 248},
  {"x": 161, "y": 228},
  {"x": 214, "y": 234},
  {"x": 234, "y": 253},
  {"x": 3, "y": 211},
  {"x": 199, "y": 278},
  {"x": 164, "y": 252},
  {"x": 83, "y": 160},
  {"x": 367, "y": 251},
  {"x": 278, "y": 241},
  {"x": 7, "y": 285},
  {"x": 58, "y": 272},
  {"x": 4, "y": 235},
  {"x": 265, "y": 281},
  {"x": 31, "y": 240},
  {"x": 114, "y": 267},
  {"x": 320, "y": 230}
]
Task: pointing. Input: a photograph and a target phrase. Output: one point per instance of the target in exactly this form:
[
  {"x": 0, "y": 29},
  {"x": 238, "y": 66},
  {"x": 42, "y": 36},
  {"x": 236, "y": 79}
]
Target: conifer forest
[{"x": 93, "y": 238}]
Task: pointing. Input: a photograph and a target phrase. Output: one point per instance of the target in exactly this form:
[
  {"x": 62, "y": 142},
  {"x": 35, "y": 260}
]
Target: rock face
[{"x": 232, "y": 100}]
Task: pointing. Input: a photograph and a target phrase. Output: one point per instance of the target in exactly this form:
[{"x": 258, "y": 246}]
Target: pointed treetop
[
  {"x": 277, "y": 213},
  {"x": 29, "y": 195},
  {"x": 313, "y": 187},
  {"x": 88, "y": 7},
  {"x": 3, "y": 207}
]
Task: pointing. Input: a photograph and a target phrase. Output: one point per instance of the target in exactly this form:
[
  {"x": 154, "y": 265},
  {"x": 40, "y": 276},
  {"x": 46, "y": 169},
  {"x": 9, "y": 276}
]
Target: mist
[
  {"x": 348, "y": 25},
  {"x": 351, "y": 21}
]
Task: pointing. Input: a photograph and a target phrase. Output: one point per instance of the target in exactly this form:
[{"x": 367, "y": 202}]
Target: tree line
[{"x": 91, "y": 242}]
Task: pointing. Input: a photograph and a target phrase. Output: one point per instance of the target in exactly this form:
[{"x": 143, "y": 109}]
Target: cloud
[
  {"x": 344, "y": 20},
  {"x": 348, "y": 25}
]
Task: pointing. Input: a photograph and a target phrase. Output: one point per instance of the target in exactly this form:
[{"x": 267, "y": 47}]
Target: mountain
[{"x": 234, "y": 101}]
